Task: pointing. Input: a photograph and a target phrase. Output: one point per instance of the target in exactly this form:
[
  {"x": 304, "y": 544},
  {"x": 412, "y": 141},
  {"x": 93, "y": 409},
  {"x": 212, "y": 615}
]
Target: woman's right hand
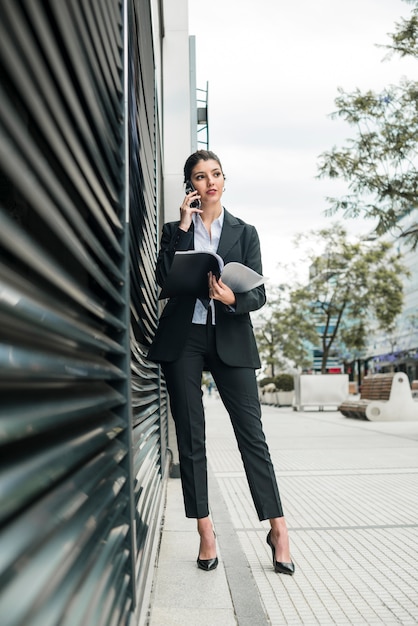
[{"x": 186, "y": 211}]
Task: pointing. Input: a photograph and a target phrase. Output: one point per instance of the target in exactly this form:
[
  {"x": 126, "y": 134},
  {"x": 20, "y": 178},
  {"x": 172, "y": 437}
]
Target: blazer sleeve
[
  {"x": 173, "y": 239},
  {"x": 256, "y": 298}
]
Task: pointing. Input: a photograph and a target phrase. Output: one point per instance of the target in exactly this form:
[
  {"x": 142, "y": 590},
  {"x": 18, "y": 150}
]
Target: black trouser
[{"x": 238, "y": 389}]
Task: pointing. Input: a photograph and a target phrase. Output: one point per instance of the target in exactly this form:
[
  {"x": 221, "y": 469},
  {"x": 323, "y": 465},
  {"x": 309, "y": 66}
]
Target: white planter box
[
  {"x": 320, "y": 390},
  {"x": 285, "y": 398},
  {"x": 269, "y": 397}
]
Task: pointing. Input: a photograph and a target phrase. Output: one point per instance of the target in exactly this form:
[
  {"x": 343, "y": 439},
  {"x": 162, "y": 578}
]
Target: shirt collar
[{"x": 219, "y": 220}]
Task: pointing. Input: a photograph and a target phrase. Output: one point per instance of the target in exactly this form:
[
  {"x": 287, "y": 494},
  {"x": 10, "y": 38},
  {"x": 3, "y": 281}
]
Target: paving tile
[
  {"x": 192, "y": 617},
  {"x": 350, "y": 492},
  {"x": 187, "y": 587}
]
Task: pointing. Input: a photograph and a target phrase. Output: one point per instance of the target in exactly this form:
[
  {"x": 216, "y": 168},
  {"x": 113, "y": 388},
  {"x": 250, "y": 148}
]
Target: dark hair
[{"x": 200, "y": 155}]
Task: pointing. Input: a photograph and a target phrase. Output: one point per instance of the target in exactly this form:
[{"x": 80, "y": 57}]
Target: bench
[{"x": 383, "y": 397}]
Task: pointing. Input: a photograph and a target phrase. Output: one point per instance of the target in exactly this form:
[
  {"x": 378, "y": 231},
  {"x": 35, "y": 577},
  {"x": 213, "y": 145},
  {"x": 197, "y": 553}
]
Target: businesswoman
[{"x": 194, "y": 335}]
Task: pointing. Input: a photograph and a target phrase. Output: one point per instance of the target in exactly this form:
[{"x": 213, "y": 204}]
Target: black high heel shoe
[
  {"x": 279, "y": 567},
  {"x": 208, "y": 564}
]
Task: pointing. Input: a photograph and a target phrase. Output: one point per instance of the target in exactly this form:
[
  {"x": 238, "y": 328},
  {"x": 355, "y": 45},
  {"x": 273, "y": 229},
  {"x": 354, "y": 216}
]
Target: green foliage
[
  {"x": 284, "y": 332},
  {"x": 284, "y": 382},
  {"x": 405, "y": 37},
  {"x": 379, "y": 163},
  {"x": 351, "y": 284},
  {"x": 268, "y": 380}
]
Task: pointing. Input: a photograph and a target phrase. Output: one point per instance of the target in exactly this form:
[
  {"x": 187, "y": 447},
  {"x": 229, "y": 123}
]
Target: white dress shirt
[{"x": 206, "y": 243}]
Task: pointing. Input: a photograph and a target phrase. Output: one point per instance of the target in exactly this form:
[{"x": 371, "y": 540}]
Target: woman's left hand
[{"x": 219, "y": 291}]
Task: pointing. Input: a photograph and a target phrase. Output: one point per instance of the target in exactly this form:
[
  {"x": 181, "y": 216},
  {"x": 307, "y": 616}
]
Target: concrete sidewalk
[{"x": 350, "y": 493}]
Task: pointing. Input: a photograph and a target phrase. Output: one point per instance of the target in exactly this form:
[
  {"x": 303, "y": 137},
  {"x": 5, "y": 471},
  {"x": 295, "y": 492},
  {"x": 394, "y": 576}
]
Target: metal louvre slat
[
  {"x": 85, "y": 80},
  {"x": 59, "y": 113},
  {"x": 83, "y": 431},
  {"x": 149, "y": 414},
  {"x": 51, "y": 406},
  {"x": 28, "y": 251},
  {"x": 91, "y": 25},
  {"x": 21, "y": 303},
  {"x": 144, "y": 441},
  {"x": 60, "y": 555},
  {"x": 47, "y": 514},
  {"x": 26, "y": 180},
  {"x": 31, "y": 472},
  {"x": 30, "y": 155},
  {"x": 149, "y": 511},
  {"x": 90, "y": 601},
  {"x": 17, "y": 363},
  {"x": 62, "y": 292},
  {"x": 143, "y": 284}
]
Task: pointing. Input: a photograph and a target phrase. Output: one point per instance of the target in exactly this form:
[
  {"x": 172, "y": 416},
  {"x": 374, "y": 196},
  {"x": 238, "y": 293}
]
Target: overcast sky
[{"x": 273, "y": 68}]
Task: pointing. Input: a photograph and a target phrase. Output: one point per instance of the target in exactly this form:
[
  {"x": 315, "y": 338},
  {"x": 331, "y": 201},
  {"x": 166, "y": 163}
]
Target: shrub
[
  {"x": 266, "y": 381},
  {"x": 284, "y": 382}
]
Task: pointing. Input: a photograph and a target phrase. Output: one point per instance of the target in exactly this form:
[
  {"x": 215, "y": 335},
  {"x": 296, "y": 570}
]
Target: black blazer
[{"x": 235, "y": 341}]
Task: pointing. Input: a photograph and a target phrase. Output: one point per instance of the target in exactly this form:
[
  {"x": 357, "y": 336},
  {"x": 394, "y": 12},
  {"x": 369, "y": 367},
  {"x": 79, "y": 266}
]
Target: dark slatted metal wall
[
  {"x": 148, "y": 401},
  {"x": 82, "y": 423}
]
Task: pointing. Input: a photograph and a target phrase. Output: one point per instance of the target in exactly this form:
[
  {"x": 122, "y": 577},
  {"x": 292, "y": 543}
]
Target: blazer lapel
[{"x": 231, "y": 232}]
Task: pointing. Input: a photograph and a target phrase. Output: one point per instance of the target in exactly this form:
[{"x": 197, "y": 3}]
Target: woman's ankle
[{"x": 204, "y": 525}]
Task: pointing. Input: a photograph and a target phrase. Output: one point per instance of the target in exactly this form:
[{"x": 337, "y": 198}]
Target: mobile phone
[{"x": 189, "y": 188}]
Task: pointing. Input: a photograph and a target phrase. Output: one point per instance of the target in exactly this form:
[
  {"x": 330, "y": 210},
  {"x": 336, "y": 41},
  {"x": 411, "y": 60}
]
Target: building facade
[
  {"x": 93, "y": 95},
  {"x": 398, "y": 351}
]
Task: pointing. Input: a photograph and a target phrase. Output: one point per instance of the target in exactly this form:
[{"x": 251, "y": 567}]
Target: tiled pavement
[{"x": 350, "y": 494}]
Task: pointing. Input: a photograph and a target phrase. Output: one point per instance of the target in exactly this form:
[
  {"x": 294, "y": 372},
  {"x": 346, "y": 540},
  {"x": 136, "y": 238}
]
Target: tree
[
  {"x": 380, "y": 162},
  {"x": 352, "y": 284},
  {"x": 284, "y": 332},
  {"x": 354, "y": 287}
]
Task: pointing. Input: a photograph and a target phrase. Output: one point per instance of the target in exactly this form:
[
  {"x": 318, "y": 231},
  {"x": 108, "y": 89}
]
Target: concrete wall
[{"x": 177, "y": 110}]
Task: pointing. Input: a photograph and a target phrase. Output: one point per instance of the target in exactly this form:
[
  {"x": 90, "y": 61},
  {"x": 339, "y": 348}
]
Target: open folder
[{"x": 188, "y": 275}]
